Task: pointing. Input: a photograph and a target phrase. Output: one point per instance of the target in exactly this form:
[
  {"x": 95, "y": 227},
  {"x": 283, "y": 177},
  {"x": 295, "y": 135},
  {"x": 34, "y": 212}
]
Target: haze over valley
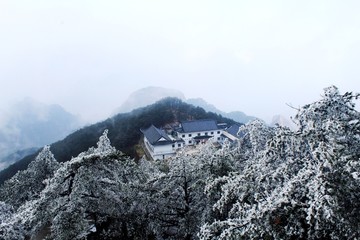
[{"x": 29, "y": 125}]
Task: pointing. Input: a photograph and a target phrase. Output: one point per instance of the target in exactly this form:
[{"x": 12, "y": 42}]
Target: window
[
  {"x": 173, "y": 145},
  {"x": 218, "y": 132},
  {"x": 218, "y": 138},
  {"x": 189, "y": 135},
  {"x": 212, "y": 133},
  {"x": 199, "y": 134},
  {"x": 183, "y": 135},
  {"x": 190, "y": 142},
  {"x": 206, "y": 133},
  {"x": 179, "y": 145}
]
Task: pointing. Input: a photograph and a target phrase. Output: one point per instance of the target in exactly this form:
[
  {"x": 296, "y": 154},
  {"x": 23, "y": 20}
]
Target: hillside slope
[{"x": 123, "y": 129}]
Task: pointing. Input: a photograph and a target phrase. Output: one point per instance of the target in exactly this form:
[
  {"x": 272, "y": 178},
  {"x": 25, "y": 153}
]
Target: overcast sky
[{"x": 253, "y": 56}]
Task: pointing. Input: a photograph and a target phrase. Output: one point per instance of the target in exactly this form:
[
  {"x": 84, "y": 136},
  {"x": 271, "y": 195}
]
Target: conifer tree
[
  {"x": 303, "y": 185},
  {"x": 26, "y": 185}
]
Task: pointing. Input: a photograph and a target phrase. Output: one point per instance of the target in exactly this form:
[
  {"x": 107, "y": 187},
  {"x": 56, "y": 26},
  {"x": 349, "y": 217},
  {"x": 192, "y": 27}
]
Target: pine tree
[
  {"x": 26, "y": 185},
  {"x": 177, "y": 200},
  {"x": 95, "y": 195},
  {"x": 9, "y": 228},
  {"x": 302, "y": 185}
]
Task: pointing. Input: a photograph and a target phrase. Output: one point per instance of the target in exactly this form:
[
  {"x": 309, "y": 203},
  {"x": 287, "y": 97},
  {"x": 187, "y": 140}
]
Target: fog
[{"x": 253, "y": 56}]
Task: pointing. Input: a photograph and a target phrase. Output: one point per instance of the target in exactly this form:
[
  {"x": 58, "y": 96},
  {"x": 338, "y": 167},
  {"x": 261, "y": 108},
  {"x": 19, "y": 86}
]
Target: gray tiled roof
[
  {"x": 198, "y": 126},
  {"x": 153, "y": 135},
  {"x": 233, "y": 130}
]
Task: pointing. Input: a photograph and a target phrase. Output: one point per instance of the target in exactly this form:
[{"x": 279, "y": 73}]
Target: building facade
[
  {"x": 199, "y": 131},
  {"x": 160, "y": 145}
]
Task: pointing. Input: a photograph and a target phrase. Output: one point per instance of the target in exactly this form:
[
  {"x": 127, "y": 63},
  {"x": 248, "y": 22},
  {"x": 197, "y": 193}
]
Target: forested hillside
[
  {"x": 124, "y": 131},
  {"x": 274, "y": 183}
]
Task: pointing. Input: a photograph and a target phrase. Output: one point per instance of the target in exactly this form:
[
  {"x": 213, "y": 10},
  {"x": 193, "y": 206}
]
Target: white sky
[{"x": 253, "y": 56}]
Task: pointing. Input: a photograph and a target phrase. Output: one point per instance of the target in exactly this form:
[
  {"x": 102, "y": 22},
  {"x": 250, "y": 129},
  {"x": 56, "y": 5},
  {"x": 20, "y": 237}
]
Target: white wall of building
[
  {"x": 169, "y": 150},
  {"x": 160, "y": 151},
  {"x": 189, "y": 137}
]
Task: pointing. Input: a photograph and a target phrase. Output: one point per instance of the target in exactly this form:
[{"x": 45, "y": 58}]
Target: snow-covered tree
[
  {"x": 302, "y": 185},
  {"x": 95, "y": 195},
  {"x": 177, "y": 200},
  {"x": 26, "y": 185},
  {"x": 10, "y": 229},
  {"x": 254, "y": 135},
  {"x": 274, "y": 183}
]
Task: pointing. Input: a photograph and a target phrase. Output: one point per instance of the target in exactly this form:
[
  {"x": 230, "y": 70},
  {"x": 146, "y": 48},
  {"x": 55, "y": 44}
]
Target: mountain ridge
[
  {"x": 124, "y": 131},
  {"x": 235, "y": 115},
  {"x": 152, "y": 94}
]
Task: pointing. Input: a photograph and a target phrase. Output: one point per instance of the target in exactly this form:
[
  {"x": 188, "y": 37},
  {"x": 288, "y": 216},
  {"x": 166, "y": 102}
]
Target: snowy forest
[{"x": 274, "y": 183}]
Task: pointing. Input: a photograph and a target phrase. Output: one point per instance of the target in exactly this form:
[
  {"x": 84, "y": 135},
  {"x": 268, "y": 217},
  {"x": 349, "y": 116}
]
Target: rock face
[{"x": 146, "y": 96}]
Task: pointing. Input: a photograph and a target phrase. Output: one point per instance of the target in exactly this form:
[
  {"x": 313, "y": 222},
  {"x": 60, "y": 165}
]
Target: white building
[
  {"x": 199, "y": 131},
  {"x": 159, "y": 144}
]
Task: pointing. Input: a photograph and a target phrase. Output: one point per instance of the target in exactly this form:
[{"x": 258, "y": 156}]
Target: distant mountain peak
[
  {"x": 204, "y": 104},
  {"x": 146, "y": 96},
  {"x": 29, "y": 123},
  {"x": 35, "y": 110},
  {"x": 235, "y": 115},
  {"x": 149, "y": 95}
]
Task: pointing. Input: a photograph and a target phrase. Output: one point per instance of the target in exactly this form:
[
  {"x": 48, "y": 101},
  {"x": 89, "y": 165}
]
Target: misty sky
[{"x": 253, "y": 56}]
